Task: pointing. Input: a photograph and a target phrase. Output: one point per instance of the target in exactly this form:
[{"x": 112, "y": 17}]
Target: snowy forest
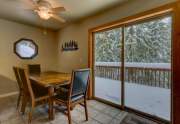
[{"x": 146, "y": 42}]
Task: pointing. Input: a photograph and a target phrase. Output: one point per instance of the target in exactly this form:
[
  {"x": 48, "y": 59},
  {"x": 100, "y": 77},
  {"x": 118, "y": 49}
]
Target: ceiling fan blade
[
  {"x": 58, "y": 18},
  {"x": 58, "y": 9}
]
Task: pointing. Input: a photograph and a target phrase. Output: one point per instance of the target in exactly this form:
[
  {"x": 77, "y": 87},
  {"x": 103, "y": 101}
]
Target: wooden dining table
[{"x": 51, "y": 80}]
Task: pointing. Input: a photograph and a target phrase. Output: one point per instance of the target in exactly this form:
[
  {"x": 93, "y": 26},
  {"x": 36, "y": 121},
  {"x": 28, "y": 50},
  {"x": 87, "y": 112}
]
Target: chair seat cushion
[
  {"x": 77, "y": 97},
  {"x": 63, "y": 96}
]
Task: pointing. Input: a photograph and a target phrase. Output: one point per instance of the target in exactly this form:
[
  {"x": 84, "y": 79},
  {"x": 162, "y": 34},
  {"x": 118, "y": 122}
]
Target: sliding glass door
[
  {"x": 143, "y": 82},
  {"x": 107, "y": 84},
  {"x": 148, "y": 67}
]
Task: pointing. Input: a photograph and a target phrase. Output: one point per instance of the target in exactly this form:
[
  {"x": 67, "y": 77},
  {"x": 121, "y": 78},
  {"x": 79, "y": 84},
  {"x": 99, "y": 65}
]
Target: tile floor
[{"x": 99, "y": 113}]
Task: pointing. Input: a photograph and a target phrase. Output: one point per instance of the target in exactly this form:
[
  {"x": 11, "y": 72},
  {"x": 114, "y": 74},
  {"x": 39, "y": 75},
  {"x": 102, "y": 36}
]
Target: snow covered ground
[{"x": 152, "y": 100}]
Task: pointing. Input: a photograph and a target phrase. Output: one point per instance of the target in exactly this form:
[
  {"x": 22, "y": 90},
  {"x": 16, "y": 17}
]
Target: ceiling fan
[{"x": 45, "y": 10}]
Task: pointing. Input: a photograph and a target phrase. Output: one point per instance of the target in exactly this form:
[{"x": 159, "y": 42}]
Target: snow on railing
[
  {"x": 151, "y": 74},
  {"x": 136, "y": 64}
]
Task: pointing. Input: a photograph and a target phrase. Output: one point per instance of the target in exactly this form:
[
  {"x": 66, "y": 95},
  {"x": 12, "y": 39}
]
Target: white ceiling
[{"x": 18, "y": 10}]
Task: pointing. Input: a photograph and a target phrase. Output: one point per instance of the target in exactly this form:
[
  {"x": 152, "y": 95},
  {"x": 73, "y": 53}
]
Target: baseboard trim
[{"x": 8, "y": 94}]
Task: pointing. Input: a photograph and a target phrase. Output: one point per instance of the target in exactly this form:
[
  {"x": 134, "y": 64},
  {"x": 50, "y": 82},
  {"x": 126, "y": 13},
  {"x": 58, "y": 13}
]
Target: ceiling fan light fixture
[
  {"x": 45, "y": 11},
  {"x": 44, "y": 15}
]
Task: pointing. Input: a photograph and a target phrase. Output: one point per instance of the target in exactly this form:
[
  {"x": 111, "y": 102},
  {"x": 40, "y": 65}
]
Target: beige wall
[
  {"x": 79, "y": 31},
  {"x": 11, "y": 32}
]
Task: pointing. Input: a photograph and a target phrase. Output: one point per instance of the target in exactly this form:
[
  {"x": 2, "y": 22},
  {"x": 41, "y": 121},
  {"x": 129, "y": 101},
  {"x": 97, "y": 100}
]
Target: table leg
[{"x": 51, "y": 103}]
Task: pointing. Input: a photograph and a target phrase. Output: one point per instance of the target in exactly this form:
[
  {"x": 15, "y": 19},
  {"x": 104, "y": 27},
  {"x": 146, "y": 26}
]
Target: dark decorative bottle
[{"x": 65, "y": 45}]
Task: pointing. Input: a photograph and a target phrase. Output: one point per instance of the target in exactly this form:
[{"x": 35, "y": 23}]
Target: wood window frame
[{"x": 174, "y": 9}]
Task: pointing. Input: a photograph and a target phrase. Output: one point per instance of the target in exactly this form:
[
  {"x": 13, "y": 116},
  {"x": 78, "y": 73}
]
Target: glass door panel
[
  {"x": 148, "y": 67},
  {"x": 107, "y": 64}
]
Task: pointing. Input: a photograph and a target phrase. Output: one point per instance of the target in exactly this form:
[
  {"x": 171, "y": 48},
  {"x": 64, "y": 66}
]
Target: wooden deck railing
[{"x": 150, "y": 76}]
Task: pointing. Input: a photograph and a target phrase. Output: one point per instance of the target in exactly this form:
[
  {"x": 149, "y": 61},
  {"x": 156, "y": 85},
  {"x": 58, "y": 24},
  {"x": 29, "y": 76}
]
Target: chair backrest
[
  {"x": 26, "y": 82},
  {"x": 18, "y": 79},
  {"x": 34, "y": 68},
  {"x": 79, "y": 82}
]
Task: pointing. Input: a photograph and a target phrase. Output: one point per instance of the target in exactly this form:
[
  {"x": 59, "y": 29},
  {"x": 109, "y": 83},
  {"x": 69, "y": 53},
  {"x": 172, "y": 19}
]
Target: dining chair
[
  {"x": 77, "y": 92},
  {"x": 20, "y": 85},
  {"x": 34, "y": 68},
  {"x": 30, "y": 96}
]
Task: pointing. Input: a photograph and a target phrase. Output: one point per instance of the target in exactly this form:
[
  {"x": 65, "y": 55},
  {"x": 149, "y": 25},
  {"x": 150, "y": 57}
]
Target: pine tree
[{"x": 148, "y": 42}]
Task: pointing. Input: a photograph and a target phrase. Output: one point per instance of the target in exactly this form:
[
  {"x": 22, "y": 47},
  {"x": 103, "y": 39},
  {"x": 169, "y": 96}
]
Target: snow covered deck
[{"x": 151, "y": 100}]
